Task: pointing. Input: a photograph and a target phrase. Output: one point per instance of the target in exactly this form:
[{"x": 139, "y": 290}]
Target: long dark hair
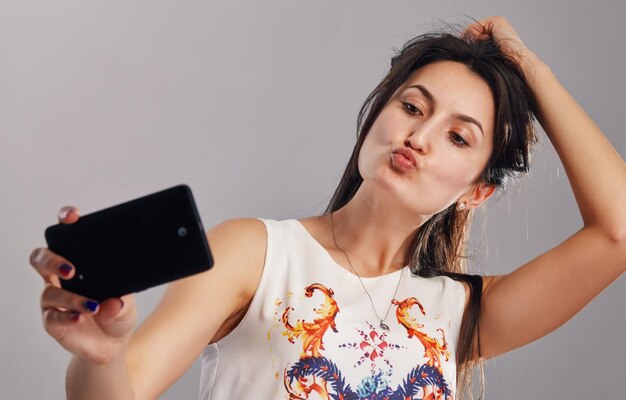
[{"x": 439, "y": 245}]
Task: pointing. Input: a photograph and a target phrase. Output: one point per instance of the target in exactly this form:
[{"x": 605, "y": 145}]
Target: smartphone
[{"x": 133, "y": 246}]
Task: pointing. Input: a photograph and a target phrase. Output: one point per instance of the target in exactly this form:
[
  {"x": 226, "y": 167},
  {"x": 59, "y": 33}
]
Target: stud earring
[{"x": 461, "y": 206}]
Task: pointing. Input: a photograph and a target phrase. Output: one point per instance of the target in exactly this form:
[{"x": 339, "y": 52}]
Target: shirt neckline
[{"x": 334, "y": 263}]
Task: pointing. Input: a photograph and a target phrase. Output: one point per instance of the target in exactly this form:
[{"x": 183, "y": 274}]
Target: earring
[{"x": 461, "y": 206}]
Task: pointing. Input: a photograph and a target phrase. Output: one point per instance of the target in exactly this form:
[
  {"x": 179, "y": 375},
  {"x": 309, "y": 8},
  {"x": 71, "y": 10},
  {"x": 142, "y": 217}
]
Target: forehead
[{"x": 455, "y": 89}]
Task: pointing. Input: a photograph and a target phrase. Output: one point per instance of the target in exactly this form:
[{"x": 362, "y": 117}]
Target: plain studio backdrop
[{"x": 254, "y": 106}]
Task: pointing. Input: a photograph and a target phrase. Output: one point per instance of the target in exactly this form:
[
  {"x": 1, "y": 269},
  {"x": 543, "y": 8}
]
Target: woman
[{"x": 370, "y": 299}]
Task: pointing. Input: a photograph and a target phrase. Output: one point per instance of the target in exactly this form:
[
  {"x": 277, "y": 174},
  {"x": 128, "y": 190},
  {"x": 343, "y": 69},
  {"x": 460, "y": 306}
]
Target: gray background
[{"x": 254, "y": 105}]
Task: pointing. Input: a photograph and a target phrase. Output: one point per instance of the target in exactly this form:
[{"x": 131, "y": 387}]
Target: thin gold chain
[{"x": 381, "y": 320}]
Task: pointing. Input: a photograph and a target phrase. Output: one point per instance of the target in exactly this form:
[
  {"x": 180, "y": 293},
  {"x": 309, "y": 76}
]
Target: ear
[{"x": 478, "y": 194}]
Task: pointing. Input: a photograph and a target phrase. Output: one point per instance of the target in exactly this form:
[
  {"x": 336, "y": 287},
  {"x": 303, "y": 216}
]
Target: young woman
[{"x": 371, "y": 299}]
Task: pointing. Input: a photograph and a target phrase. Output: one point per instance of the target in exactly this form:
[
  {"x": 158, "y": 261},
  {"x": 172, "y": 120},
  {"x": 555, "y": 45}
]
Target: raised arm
[
  {"x": 543, "y": 294},
  {"x": 113, "y": 362}
]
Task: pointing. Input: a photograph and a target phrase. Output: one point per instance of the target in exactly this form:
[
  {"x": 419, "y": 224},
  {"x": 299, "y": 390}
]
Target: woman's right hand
[{"x": 96, "y": 333}]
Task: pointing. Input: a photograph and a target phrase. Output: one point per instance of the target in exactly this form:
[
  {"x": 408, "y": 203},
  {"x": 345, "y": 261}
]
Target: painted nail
[
  {"x": 75, "y": 315},
  {"x": 90, "y": 305},
  {"x": 65, "y": 269},
  {"x": 63, "y": 213}
]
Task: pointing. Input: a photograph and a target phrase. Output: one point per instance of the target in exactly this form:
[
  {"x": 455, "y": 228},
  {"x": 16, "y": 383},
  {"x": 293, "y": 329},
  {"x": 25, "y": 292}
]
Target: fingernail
[
  {"x": 75, "y": 315},
  {"x": 90, "y": 305},
  {"x": 63, "y": 213},
  {"x": 65, "y": 269}
]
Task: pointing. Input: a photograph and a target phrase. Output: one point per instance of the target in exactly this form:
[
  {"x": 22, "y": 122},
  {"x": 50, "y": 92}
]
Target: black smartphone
[{"x": 134, "y": 245}]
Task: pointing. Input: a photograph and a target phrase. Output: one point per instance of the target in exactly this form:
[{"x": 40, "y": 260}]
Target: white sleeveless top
[{"x": 310, "y": 331}]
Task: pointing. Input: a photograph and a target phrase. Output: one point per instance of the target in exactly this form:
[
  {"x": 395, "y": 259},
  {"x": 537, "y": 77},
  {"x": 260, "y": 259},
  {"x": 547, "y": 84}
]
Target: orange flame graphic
[
  {"x": 312, "y": 333},
  {"x": 433, "y": 348}
]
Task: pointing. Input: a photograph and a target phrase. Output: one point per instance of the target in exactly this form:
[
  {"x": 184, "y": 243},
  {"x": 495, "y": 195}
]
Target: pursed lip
[{"x": 406, "y": 153}]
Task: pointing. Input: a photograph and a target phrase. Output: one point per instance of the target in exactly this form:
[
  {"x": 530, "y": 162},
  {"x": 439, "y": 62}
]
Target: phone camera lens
[{"x": 182, "y": 231}]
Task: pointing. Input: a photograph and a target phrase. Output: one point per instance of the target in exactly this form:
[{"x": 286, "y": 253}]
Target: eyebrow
[{"x": 461, "y": 117}]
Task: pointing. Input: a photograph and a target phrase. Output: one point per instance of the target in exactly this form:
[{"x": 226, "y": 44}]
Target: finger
[
  {"x": 68, "y": 215},
  {"x": 116, "y": 315},
  {"x": 55, "y": 297},
  {"x": 50, "y": 265},
  {"x": 476, "y": 30},
  {"x": 56, "y": 322},
  {"x": 111, "y": 308}
]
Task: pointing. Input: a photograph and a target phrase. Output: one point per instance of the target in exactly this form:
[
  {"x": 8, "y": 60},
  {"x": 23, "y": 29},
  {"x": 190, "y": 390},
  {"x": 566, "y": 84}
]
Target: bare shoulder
[
  {"x": 252, "y": 229},
  {"x": 240, "y": 245}
]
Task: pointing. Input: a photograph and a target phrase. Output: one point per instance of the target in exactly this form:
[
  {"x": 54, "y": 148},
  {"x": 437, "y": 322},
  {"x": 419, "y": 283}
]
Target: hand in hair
[{"x": 500, "y": 30}]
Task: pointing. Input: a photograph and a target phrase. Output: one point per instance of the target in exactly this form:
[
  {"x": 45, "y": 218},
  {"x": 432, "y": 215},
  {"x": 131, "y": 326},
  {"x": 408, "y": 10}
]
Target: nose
[{"x": 419, "y": 139}]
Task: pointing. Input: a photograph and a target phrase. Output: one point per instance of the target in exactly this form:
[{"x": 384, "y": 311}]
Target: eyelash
[
  {"x": 454, "y": 137},
  {"x": 411, "y": 109},
  {"x": 461, "y": 143}
]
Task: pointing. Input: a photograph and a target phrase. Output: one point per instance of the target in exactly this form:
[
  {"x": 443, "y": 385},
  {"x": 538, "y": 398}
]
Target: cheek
[
  {"x": 385, "y": 128},
  {"x": 365, "y": 159},
  {"x": 373, "y": 152},
  {"x": 454, "y": 174}
]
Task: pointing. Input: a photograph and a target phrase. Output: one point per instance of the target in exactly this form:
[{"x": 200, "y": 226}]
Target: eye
[
  {"x": 411, "y": 109},
  {"x": 457, "y": 140}
]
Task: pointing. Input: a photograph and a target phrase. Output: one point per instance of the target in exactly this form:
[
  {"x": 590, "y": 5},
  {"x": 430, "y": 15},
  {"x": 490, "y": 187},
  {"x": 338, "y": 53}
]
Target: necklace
[{"x": 382, "y": 323}]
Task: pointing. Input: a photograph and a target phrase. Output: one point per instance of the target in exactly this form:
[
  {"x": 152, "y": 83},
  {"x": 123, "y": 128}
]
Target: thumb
[
  {"x": 68, "y": 215},
  {"x": 116, "y": 316}
]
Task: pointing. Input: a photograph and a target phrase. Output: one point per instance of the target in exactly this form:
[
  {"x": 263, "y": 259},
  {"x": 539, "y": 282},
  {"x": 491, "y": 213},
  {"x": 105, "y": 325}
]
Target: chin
[{"x": 404, "y": 192}]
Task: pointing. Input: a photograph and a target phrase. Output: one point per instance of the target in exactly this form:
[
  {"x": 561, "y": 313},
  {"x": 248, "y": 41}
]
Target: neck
[{"x": 375, "y": 236}]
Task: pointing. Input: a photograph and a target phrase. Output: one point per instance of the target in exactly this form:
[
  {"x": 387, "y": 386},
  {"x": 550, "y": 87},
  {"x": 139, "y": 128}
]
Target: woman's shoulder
[
  {"x": 247, "y": 228},
  {"x": 248, "y": 231},
  {"x": 240, "y": 237},
  {"x": 240, "y": 244}
]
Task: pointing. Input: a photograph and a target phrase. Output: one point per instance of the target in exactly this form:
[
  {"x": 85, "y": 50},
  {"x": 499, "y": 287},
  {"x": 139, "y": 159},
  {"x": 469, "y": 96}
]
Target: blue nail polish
[
  {"x": 65, "y": 269},
  {"x": 90, "y": 305}
]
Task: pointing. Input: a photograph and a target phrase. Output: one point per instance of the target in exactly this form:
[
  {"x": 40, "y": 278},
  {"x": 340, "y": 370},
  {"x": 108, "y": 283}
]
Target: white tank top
[{"x": 310, "y": 331}]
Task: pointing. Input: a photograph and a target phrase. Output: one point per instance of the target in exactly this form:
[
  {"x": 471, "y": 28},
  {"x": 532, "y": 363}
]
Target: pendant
[{"x": 384, "y": 326}]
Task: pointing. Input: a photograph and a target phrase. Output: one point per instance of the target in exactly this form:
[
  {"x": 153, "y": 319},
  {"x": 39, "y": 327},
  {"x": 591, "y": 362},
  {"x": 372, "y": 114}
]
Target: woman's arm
[
  {"x": 112, "y": 362},
  {"x": 193, "y": 309},
  {"x": 543, "y": 294}
]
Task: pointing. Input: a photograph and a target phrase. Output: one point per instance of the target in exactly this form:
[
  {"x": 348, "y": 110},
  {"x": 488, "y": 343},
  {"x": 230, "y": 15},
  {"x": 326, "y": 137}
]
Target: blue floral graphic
[{"x": 372, "y": 387}]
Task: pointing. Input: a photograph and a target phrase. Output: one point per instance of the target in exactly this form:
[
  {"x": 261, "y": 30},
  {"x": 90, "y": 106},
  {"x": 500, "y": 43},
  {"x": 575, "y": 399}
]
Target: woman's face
[{"x": 432, "y": 140}]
